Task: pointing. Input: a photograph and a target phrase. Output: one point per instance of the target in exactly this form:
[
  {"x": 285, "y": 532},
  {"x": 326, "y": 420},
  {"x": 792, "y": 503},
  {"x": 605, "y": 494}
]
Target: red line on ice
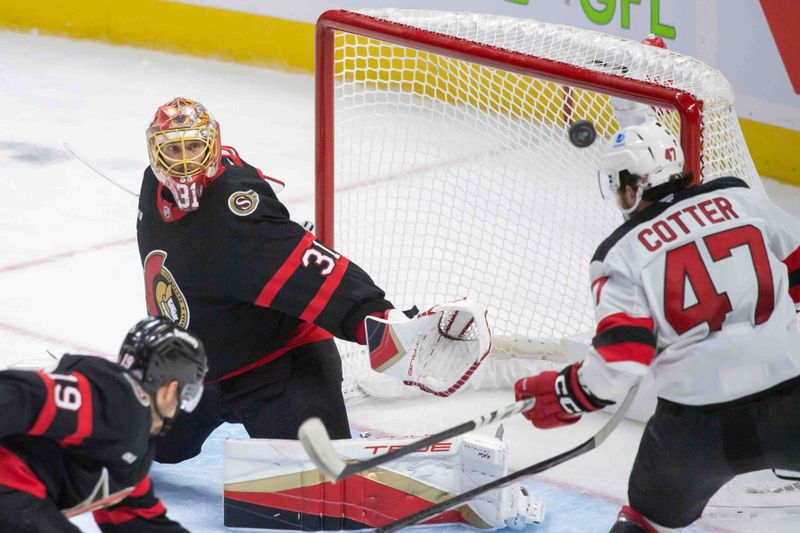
[
  {"x": 54, "y": 340},
  {"x": 63, "y": 255}
]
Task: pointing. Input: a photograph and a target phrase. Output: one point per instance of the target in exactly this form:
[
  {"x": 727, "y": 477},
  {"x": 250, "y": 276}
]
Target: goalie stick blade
[{"x": 317, "y": 443}]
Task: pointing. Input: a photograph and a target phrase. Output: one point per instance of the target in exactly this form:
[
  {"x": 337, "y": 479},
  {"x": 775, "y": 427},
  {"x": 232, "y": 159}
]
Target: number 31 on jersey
[{"x": 322, "y": 256}]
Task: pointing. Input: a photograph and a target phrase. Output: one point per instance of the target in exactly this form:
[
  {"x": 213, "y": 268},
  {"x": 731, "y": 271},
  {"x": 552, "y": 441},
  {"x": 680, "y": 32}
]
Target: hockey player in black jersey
[
  {"x": 700, "y": 286},
  {"x": 221, "y": 256},
  {"x": 79, "y": 437}
]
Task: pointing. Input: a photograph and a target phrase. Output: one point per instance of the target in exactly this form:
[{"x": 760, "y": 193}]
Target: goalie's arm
[{"x": 279, "y": 265}]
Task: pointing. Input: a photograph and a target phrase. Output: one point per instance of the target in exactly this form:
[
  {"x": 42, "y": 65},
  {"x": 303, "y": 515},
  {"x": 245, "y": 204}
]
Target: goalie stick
[
  {"x": 595, "y": 441},
  {"x": 519, "y": 346},
  {"x": 68, "y": 147},
  {"x": 276, "y": 184},
  {"x": 317, "y": 443}
]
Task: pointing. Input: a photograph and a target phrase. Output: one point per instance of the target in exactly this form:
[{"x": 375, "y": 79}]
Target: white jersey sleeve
[
  {"x": 624, "y": 344},
  {"x": 783, "y": 240},
  {"x": 701, "y": 287}
]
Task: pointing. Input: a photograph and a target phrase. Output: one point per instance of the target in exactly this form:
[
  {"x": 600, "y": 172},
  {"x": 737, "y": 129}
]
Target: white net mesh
[{"x": 457, "y": 179}]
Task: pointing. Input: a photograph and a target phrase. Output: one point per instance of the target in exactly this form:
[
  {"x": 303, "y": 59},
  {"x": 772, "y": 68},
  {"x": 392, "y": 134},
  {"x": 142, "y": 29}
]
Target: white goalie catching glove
[{"x": 437, "y": 350}]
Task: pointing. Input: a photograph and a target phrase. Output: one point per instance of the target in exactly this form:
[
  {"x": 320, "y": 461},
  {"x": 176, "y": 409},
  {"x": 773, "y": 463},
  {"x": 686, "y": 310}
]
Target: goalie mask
[
  {"x": 645, "y": 156},
  {"x": 157, "y": 351},
  {"x": 184, "y": 146}
]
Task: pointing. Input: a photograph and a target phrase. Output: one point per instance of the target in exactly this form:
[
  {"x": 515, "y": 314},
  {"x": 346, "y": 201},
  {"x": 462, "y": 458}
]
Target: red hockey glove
[{"x": 560, "y": 399}]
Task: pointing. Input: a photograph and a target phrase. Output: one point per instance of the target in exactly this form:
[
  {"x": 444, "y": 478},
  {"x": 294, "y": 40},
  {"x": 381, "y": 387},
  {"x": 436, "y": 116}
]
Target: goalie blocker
[{"x": 272, "y": 484}]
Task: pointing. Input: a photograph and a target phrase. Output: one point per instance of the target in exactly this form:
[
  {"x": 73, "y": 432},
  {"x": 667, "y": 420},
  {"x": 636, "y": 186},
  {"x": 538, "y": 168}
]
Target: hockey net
[{"x": 445, "y": 170}]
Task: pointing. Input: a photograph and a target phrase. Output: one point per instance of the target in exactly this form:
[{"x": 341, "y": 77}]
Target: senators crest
[
  {"x": 242, "y": 203},
  {"x": 164, "y": 297}
]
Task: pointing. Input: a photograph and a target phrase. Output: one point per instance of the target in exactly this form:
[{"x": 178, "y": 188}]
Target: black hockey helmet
[{"x": 157, "y": 351}]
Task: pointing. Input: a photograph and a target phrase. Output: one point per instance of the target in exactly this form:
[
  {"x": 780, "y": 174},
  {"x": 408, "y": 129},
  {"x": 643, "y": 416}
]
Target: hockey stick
[
  {"x": 595, "y": 441},
  {"x": 520, "y": 347},
  {"x": 86, "y": 162},
  {"x": 317, "y": 443}
]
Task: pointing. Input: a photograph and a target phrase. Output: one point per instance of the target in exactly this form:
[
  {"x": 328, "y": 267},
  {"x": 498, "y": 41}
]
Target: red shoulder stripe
[
  {"x": 15, "y": 474},
  {"x": 325, "y": 292},
  {"x": 84, "y": 426},
  {"x": 48, "y": 412},
  {"x": 623, "y": 319},
  {"x": 627, "y": 351},
  {"x": 274, "y": 285}
]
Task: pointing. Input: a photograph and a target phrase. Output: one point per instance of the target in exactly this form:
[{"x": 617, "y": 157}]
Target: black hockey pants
[
  {"x": 688, "y": 453},
  {"x": 271, "y": 401}
]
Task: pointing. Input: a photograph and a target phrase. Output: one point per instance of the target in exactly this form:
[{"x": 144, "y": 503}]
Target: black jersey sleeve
[
  {"x": 281, "y": 266},
  {"x": 139, "y": 512},
  {"x": 22, "y": 395},
  {"x": 54, "y": 406}
]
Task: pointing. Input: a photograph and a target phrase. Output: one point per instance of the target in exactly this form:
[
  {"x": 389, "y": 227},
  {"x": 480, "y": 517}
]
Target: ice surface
[{"x": 70, "y": 276}]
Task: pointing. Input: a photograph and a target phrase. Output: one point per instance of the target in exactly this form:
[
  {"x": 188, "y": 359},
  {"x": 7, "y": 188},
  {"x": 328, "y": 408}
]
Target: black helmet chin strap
[{"x": 166, "y": 421}]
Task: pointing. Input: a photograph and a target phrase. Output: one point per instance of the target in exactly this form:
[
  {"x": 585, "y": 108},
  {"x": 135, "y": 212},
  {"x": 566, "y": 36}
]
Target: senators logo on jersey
[
  {"x": 242, "y": 203},
  {"x": 164, "y": 297}
]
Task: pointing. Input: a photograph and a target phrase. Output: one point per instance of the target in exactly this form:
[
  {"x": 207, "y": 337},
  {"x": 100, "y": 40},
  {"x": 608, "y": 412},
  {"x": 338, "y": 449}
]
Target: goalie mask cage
[{"x": 444, "y": 167}]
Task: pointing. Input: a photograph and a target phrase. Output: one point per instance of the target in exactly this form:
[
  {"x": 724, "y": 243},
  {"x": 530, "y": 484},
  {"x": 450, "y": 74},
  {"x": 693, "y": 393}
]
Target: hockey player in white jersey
[{"x": 700, "y": 284}]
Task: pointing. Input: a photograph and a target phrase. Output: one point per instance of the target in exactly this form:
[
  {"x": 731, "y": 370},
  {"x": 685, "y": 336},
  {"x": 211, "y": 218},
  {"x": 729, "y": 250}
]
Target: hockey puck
[{"x": 582, "y": 133}]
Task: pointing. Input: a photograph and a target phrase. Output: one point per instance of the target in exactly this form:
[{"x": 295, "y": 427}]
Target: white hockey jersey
[{"x": 701, "y": 287}]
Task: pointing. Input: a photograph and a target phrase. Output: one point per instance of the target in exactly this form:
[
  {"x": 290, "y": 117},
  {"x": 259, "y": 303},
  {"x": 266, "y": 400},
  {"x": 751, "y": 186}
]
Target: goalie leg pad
[{"x": 272, "y": 484}]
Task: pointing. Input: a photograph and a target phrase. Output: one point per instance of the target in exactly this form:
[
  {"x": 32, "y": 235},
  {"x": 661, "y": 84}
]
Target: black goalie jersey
[
  {"x": 79, "y": 436},
  {"x": 250, "y": 282}
]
